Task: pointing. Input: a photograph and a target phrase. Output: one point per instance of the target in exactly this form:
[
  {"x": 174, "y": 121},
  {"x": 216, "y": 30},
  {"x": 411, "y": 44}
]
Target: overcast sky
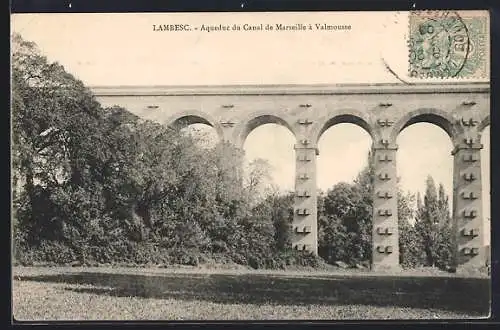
[{"x": 123, "y": 49}]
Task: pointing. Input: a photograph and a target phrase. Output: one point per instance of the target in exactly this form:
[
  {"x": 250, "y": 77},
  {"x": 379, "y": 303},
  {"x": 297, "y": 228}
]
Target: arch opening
[
  {"x": 424, "y": 149},
  {"x": 425, "y": 172},
  {"x": 203, "y": 133},
  {"x": 343, "y": 154},
  {"x": 441, "y": 120},
  {"x": 345, "y": 119},
  {"x": 342, "y": 174},
  {"x": 261, "y": 120},
  {"x": 270, "y": 159},
  {"x": 188, "y": 120}
]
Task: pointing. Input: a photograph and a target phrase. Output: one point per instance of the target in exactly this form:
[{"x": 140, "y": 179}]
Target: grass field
[{"x": 73, "y": 293}]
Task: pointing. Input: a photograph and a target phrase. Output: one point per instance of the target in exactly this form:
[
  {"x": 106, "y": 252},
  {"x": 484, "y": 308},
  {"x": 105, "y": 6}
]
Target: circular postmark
[{"x": 439, "y": 44}]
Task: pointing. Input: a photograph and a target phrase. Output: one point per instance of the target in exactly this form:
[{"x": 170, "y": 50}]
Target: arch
[
  {"x": 258, "y": 119},
  {"x": 186, "y": 118},
  {"x": 347, "y": 116},
  {"x": 437, "y": 117}
]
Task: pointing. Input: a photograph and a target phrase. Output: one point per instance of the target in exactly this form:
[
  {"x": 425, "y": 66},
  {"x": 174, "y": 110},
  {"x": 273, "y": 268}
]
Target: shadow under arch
[
  {"x": 256, "y": 120},
  {"x": 183, "y": 119},
  {"x": 437, "y": 117},
  {"x": 343, "y": 117}
]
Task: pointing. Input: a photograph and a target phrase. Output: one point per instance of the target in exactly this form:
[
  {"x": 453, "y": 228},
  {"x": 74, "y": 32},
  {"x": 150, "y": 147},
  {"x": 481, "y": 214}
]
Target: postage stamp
[{"x": 448, "y": 44}]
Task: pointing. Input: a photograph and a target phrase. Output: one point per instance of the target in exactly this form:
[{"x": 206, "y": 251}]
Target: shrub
[{"x": 46, "y": 252}]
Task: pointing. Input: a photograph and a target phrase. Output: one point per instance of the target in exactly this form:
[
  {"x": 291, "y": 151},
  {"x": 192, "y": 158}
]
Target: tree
[
  {"x": 432, "y": 226},
  {"x": 426, "y": 222},
  {"x": 345, "y": 221},
  {"x": 258, "y": 179},
  {"x": 444, "y": 245},
  {"x": 282, "y": 206},
  {"x": 100, "y": 184},
  {"x": 55, "y": 124},
  {"x": 346, "y": 203},
  {"x": 410, "y": 252},
  {"x": 332, "y": 234}
]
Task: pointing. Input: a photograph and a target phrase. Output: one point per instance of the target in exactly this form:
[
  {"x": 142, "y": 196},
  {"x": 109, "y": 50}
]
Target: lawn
[{"x": 74, "y": 293}]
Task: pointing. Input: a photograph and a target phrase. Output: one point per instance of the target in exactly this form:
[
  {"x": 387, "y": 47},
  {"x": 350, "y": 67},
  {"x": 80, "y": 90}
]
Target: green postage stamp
[{"x": 448, "y": 44}]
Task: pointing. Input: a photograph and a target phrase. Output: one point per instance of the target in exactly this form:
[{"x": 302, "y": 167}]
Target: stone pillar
[
  {"x": 304, "y": 225},
  {"x": 467, "y": 204},
  {"x": 385, "y": 234}
]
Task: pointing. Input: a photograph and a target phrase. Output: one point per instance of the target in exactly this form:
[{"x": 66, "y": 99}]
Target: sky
[{"x": 124, "y": 49}]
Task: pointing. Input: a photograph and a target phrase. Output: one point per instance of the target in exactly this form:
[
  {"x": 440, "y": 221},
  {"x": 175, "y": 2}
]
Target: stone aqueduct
[{"x": 462, "y": 110}]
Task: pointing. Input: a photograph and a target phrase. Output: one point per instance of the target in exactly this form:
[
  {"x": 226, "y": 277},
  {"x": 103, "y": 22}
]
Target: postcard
[{"x": 251, "y": 166}]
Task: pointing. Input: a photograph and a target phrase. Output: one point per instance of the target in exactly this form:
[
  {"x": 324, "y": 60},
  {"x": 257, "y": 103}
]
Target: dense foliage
[
  {"x": 344, "y": 221},
  {"x": 433, "y": 227},
  {"x": 94, "y": 185},
  {"x": 101, "y": 185}
]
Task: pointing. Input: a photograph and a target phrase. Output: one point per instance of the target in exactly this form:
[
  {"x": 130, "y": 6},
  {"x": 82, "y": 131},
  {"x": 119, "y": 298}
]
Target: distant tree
[
  {"x": 257, "y": 179},
  {"x": 444, "y": 248},
  {"x": 432, "y": 226},
  {"x": 427, "y": 222},
  {"x": 229, "y": 163},
  {"x": 410, "y": 251},
  {"x": 364, "y": 183},
  {"x": 345, "y": 221}
]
